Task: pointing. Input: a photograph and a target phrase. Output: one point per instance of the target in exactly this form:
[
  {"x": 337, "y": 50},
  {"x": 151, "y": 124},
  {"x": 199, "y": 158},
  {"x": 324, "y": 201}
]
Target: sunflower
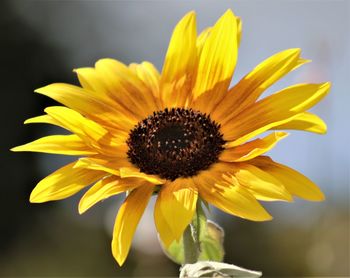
[{"x": 182, "y": 134}]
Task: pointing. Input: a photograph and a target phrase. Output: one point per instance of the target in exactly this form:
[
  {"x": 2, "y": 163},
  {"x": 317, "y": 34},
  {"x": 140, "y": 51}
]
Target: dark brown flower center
[{"x": 175, "y": 143}]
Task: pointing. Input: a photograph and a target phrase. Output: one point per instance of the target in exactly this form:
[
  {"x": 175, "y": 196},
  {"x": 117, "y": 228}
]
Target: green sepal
[
  {"x": 212, "y": 248},
  {"x": 208, "y": 236}
]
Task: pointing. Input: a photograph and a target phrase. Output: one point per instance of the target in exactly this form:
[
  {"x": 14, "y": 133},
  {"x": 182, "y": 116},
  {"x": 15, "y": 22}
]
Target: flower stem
[{"x": 190, "y": 246}]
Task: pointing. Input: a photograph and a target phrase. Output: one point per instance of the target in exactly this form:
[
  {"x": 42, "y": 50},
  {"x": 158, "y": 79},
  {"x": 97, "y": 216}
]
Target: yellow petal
[
  {"x": 207, "y": 101},
  {"x": 251, "y": 86},
  {"x": 57, "y": 144},
  {"x": 300, "y": 62},
  {"x": 132, "y": 172},
  {"x": 180, "y": 59},
  {"x": 272, "y": 111},
  {"x": 252, "y": 149},
  {"x": 260, "y": 184},
  {"x": 239, "y": 30},
  {"x": 235, "y": 200},
  {"x": 202, "y": 37},
  {"x": 88, "y": 105},
  {"x": 296, "y": 183},
  {"x": 63, "y": 183},
  {"x": 93, "y": 134},
  {"x": 126, "y": 88},
  {"x": 127, "y": 220},
  {"x": 90, "y": 80},
  {"x": 111, "y": 144},
  {"x": 164, "y": 231},
  {"x": 149, "y": 75},
  {"x": 180, "y": 64},
  {"x": 43, "y": 119},
  {"x": 307, "y": 122},
  {"x": 86, "y": 129},
  {"x": 177, "y": 94},
  {"x": 176, "y": 202},
  {"x": 108, "y": 165},
  {"x": 218, "y": 58},
  {"x": 104, "y": 189}
]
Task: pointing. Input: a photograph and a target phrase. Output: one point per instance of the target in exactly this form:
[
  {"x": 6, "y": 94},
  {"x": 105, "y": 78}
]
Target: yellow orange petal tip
[
  {"x": 282, "y": 134},
  {"x": 79, "y": 164},
  {"x": 120, "y": 261},
  {"x": 294, "y": 52},
  {"x": 20, "y": 148},
  {"x": 44, "y": 90},
  {"x": 33, "y": 198},
  {"x": 229, "y": 12},
  {"x": 76, "y": 70},
  {"x": 41, "y": 89},
  {"x": 304, "y": 61},
  {"x": 52, "y": 109},
  {"x": 266, "y": 217},
  {"x": 326, "y": 85},
  {"x": 27, "y": 121},
  {"x": 228, "y": 15},
  {"x": 81, "y": 210},
  {"x": 320, "y": 198},
  {"x": 14, "y": 149},
  {"x": 190, "y": 14}
]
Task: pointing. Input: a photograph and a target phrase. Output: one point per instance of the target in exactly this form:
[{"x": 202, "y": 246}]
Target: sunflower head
[
  {"x": 175, "y": 143},
  {"x": 183, "y": 134}
]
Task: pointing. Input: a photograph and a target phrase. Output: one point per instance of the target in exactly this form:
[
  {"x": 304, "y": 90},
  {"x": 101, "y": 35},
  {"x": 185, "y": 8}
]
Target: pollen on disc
[{"x": 175, "y": 143}]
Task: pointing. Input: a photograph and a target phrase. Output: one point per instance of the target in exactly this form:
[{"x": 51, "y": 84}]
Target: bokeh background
[{"x": 42, "y": 41}]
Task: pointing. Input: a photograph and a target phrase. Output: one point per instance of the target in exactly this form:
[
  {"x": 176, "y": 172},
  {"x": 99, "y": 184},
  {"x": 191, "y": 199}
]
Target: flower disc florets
[{"x": 175, "y": 143}]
